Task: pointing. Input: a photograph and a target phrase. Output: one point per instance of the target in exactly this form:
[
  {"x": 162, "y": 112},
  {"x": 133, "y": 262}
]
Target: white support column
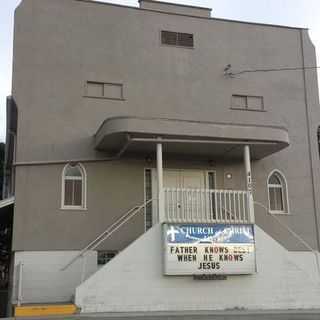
[
  {"x": 161, "y": 215},
  {"x": 247, "y": 165}
]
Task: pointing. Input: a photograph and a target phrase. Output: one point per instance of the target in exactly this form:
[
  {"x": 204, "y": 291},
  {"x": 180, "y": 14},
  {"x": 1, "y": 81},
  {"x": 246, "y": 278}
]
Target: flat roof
[
  {"x": 187, "y": 15},
  {"x": 177, "y": 4}
]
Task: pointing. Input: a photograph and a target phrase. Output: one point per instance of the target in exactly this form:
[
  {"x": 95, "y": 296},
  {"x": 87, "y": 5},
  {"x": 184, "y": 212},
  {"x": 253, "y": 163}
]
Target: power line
[{"x": 228, "y": 71}]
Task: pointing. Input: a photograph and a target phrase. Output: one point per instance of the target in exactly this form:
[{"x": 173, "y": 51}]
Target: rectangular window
[
  {"x": 178, "y": 39},
  {"x": 95, "y": 89},
  {"x": 68, "y": 190},
  {"x": 105, "y": 257},
  {"x": 276, "y": 200},
  {"x": 212, "y": 196},
  {"x": 77, "y": 198},
  {"x": 73, "y": 192},
  {"x": 104, "y": 90},
  {"x": 211, "y": 180},
  {"x": 148, "y": 196},
  {"x": 247, "y": 102},
  {"x": 255, "y": 103}
]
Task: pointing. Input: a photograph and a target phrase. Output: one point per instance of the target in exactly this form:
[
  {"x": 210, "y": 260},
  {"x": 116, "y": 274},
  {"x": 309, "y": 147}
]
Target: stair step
[{"x": 44, "y": 310}]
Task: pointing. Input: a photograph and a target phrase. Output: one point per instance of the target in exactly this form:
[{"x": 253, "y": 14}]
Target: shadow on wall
[{"x": 278, "y": 232}]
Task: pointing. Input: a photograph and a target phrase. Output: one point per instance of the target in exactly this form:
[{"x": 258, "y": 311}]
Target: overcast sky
[{"x": 301, "y": 13}]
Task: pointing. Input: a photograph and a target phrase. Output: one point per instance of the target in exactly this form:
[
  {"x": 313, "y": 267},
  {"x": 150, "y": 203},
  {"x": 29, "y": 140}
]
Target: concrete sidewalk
[{"x": 195, "y": 315}]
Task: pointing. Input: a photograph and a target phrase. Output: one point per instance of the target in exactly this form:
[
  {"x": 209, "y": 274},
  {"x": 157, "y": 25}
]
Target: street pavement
[{"x": 195, "y": 315}]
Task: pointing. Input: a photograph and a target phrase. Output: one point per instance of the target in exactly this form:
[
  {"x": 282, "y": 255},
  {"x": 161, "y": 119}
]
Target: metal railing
[
  {"x": 206, "y": 205},
  {"x": 299, "y": 238},
  {"x": 108, "y": 232}
]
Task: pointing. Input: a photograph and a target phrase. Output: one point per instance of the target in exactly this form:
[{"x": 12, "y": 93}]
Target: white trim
[
  {"x": 285, "y": 194},
  {"x": 84, "y": 188}
]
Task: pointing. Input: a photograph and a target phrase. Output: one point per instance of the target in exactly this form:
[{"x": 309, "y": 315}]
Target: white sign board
[{"x": 191, "y": 249}]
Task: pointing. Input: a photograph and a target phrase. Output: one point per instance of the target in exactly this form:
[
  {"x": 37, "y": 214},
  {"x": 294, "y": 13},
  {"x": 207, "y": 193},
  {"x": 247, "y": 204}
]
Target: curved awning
[{"x": 181, "y": 137}]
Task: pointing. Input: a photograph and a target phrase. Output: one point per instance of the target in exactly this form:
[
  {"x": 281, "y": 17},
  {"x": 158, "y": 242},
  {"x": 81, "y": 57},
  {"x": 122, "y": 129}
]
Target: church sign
[{"x": 193, "y": 249}]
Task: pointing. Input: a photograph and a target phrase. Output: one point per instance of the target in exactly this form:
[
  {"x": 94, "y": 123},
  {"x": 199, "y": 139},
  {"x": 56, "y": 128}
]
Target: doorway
[{"x": 192, "y": 179}]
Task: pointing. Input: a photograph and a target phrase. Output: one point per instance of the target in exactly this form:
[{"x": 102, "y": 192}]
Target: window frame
[
  {"x": 106, "y": 252},
  {"x": 177, "y": 36},
  {"x": 83, "y": 179},
  {"x": 247, "y": 107},
  {"x": 284, "y": 192},
  {"x": 103, "y": 85}
]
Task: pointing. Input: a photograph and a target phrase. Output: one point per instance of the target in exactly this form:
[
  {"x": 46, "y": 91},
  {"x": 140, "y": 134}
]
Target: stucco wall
[
  {"x": 100, "y": 42},
  {"x": 41, "y": 224},
  {"x": 43, "y": 279},
  {"x": 108, "y": 43},
  {"x": 115, "y": 187},
  {"x": 135, "y": 282}
]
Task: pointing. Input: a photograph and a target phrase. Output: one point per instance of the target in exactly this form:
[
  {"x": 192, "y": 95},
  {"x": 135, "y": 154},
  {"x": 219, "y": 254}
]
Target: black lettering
[{"x": 209, "y": 265}]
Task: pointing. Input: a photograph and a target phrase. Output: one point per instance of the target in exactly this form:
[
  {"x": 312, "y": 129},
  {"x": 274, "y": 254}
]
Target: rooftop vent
[{"x": 175, "y": 8}]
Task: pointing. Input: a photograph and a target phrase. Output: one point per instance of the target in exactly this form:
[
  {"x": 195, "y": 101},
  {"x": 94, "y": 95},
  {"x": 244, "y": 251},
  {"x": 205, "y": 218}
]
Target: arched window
[
  {"x": 74, "y": 187},
  {"x": 278, "y": 193}
]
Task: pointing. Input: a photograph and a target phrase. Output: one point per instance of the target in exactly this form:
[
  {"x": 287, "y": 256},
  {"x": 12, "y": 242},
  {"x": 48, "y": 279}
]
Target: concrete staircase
[{"x": 134, "y": 282}]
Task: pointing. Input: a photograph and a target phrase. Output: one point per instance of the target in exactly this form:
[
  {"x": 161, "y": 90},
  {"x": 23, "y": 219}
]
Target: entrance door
[
  {"x": 188, "y": 195},
  {"x": 187, "y": 200},
  {"x": 184, "y": 179}
]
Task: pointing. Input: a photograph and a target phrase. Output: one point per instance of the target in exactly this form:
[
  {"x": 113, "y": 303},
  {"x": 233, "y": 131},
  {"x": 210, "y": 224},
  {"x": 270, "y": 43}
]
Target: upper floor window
[
  {"x": 277, "y": 193},
  {"x": 178, "y": 39},
  {"x": 104, "y": 90},
  {"x": 73, "y": 187},
  {"x": 254, "y": 103}
]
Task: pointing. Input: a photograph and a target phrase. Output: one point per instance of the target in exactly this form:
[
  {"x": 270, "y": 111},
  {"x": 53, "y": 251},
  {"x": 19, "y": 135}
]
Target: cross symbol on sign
[{"x": 172, "y": 233}]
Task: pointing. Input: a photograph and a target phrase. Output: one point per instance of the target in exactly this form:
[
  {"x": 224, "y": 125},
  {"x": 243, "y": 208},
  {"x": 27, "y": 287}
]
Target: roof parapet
[{"x": 175, "y": 8}]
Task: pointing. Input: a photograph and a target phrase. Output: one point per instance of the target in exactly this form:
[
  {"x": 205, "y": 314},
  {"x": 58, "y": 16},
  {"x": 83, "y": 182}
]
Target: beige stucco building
[{"x": 155, "y": 115}]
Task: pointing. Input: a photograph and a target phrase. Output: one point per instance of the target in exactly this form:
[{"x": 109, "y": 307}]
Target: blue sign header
[{"x": 210, "y": 233}]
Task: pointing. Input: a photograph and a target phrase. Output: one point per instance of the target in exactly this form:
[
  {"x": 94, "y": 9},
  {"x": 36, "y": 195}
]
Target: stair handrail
[
  {"x": 305, "y": 243},
  {"x": 108, "y": 232}
]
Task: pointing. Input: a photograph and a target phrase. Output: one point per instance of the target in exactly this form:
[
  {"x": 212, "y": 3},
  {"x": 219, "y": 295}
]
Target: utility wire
[{"x": 228, "y": 71}]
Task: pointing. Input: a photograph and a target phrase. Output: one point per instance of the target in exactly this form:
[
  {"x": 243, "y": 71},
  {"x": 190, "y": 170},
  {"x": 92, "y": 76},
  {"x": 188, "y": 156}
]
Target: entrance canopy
[{"x": 181, "y": 137}]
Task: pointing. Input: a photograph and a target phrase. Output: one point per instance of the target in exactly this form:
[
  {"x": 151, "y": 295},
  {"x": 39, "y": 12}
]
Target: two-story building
[{"x": 181, "y": 146}]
